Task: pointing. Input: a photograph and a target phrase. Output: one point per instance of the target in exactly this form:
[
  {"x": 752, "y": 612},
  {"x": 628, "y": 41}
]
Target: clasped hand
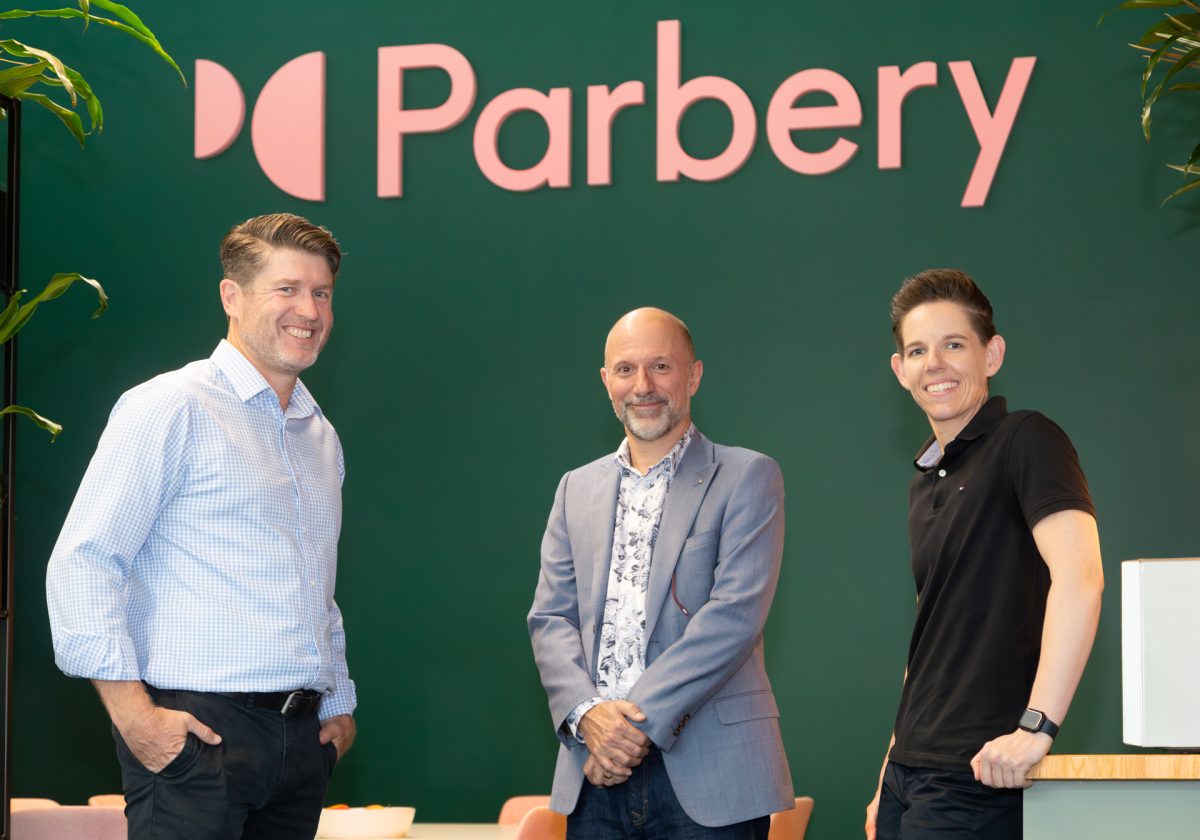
[
  {"x": 615, "y": 745},
  {"x": 1004, "y": 761}
]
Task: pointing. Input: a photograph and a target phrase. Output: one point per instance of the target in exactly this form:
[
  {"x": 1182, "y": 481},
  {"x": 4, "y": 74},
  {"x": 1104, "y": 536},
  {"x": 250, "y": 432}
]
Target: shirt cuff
[
  {"x": 342, "y": 700},
  {"x": 577, "y": 715}
]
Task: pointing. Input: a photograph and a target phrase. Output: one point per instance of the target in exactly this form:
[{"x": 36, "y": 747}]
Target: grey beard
[{"x": 649, "y": 428}]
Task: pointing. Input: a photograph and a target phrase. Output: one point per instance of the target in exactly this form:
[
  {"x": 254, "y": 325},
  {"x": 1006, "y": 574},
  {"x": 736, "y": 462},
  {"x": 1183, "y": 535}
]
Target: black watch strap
[{"x": 1035, "y": 721}]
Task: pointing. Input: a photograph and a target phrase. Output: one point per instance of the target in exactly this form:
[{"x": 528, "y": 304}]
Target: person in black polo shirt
[{"x": 1006, "y": 558}]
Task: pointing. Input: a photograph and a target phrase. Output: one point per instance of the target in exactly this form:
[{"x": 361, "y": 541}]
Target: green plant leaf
[
  {"x": 1163, "y": 29},
  {"x": 42, "y": 422},
  {"x": 1188, "y": 187},
  {"x": 70, "y": 118},
  {"x": 126, "y": 14},
  {"x": 134, "y": 27},
  {"x": 13, "y": 14},
  {"x": 130, "y": 24},
  {"x": 1155, "y": 57},
  {"x": 1186, "y": 86},
  {"x": 25, "y": 51},
  {"x": 1183, "y": 62},
  {"x": 10, "y": 311},
  {"x": 10, "y": 325},
  {"x": 16, "y": 79},
  {"x": 1140, "y": 4},
  {"x": 95, "y": 111},
  {"x": 1190, "y": 166}
]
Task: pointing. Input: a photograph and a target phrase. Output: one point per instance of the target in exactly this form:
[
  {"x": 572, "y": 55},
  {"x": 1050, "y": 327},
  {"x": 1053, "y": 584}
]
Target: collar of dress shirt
[
  {"x": 669, "y": 461},
  {"x": 248, "y": 383}
]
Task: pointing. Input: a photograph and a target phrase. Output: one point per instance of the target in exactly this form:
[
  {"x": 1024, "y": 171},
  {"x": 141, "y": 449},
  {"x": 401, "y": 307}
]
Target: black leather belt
[{"x": 290, "y": 704}]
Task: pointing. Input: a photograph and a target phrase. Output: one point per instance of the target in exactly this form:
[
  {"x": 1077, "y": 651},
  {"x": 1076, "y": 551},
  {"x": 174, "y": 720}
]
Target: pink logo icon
[{"x": 287, "y": 129}]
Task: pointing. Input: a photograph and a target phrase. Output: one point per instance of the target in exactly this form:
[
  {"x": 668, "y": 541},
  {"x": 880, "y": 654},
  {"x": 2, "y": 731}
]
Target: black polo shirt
[{"x": 981, "y": 583}]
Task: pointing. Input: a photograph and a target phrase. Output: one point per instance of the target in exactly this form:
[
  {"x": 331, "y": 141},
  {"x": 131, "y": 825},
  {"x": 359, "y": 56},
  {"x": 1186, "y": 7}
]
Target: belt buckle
[{"x": 295, "y": 699}]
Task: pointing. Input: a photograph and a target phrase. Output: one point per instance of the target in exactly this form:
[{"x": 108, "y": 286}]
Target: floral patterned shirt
[{"x": 640, "y": 502}]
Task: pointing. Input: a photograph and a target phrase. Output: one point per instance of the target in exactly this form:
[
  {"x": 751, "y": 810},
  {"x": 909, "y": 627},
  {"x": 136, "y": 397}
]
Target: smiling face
[
  {"x": 281, "y": 318},
  {"x": 650, "y": 375},
  {"x": 945, "y": 365}
]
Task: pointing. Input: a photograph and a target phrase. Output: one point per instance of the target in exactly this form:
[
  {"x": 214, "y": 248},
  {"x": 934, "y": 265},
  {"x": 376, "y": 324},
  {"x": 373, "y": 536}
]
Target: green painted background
[{"x": 462, "y": 375}]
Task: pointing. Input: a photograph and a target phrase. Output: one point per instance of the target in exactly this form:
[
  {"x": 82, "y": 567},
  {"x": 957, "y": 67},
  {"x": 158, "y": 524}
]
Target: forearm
[
  {"x": 126, "y": 701},
  {"x": 1072, "y": 615},
  {"x": 1070, "y": 545}
]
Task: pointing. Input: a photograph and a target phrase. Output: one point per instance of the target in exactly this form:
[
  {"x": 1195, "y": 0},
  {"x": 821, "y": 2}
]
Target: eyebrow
[
  {"x": 946, "y": 337},
  {"x": 616, "y": 362}
]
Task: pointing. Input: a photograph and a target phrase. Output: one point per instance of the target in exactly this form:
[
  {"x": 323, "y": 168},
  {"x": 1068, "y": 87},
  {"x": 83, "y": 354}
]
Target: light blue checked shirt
[{"x": 201, "y": 550}]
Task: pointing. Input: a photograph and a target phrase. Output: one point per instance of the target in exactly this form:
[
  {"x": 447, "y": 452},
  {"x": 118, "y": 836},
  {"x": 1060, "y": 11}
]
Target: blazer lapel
[
  {"x": 688, "y": 487},
  {"x": 597, "y": 553}
]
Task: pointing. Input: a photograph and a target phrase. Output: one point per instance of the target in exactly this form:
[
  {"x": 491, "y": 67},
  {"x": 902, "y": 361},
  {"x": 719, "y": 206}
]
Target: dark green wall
[{"x": 463, "y": 372}]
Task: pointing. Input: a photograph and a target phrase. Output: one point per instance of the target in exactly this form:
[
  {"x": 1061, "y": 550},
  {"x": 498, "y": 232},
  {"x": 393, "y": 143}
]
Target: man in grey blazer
[{"x": 659, "y": 564}]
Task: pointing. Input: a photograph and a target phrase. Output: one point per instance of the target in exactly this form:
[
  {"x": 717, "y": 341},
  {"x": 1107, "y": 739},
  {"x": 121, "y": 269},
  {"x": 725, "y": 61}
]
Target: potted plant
[{"x": 1172, "y": 47}]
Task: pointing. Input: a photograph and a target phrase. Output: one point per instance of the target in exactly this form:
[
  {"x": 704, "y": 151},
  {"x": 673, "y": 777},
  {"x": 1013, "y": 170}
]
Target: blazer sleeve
[
  {"x": 721, "y": 635},
  {"x": 554, "y": 623}
]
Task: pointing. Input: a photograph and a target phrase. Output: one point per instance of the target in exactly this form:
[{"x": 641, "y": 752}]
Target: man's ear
[
  {"x": 231, "y": 296},
  {"x": 694, "y": 376}
]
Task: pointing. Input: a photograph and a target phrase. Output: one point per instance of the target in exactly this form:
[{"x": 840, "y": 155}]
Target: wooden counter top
[{"x": 1115, "y": 767}]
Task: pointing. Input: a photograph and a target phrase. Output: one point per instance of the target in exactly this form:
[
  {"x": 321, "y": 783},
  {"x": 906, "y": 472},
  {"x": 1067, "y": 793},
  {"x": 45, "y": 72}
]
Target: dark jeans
[
  {"x": 645, "y": 807},
  {"x": 266, "y": 780},
  {"x": 927, "y": 804}
]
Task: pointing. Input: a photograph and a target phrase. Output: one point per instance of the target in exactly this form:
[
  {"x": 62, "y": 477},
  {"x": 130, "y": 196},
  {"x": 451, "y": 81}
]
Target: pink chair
[
  {"x": 786, "y": 825},
  {"x": 69, "y": 821},
  {"x": 25, "y": 803},
  {"x": 107, "y": 800},
  {"x": 539, "y": 823},
  {"x": 518, "y": 806}
]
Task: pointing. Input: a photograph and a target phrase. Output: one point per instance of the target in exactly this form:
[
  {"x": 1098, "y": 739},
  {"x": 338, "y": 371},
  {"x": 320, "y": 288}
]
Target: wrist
[
  {"x": 126, "y": 702},
  {"x": 1036, "y": 722}
]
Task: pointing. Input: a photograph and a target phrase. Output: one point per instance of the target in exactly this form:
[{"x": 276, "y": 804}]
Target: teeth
[
  {"x": 941, "y": 386},
  {"x": 297, "y": 332}
]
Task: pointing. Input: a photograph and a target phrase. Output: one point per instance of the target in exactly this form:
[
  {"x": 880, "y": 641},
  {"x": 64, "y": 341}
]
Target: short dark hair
[
  {"x": 245, "y": 249},
  {"x": 943, "y": 284}
]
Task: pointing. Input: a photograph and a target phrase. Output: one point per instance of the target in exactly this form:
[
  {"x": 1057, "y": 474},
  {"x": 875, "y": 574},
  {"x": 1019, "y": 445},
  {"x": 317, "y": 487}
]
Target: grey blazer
[{"x": 705, "y": 692}]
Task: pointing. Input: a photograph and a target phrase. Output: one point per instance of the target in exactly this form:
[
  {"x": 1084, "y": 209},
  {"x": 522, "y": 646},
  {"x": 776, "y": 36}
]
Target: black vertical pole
[{"x": 8, "y": 285}]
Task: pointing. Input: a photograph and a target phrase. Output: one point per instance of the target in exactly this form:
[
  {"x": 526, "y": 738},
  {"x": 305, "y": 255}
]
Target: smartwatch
[{"x": 1034, "y": 721}]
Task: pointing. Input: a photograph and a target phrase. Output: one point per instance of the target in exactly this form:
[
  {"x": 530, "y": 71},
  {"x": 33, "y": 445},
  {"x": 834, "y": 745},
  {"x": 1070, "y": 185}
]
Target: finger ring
[{"x": 608, "y": 775}]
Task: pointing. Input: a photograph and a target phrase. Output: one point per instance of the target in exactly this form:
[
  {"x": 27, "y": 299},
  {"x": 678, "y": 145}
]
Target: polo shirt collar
[
  {"x": 248, "y": 383},
  {"x": 991, "y": 413}
]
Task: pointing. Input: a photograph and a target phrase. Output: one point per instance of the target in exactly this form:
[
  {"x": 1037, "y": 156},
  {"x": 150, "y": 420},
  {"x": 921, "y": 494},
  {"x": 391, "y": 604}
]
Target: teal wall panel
[{"x": 462, "y": 374}]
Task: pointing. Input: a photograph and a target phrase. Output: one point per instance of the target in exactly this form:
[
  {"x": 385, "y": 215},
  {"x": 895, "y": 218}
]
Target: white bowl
[{"x": 373, "y": 823}]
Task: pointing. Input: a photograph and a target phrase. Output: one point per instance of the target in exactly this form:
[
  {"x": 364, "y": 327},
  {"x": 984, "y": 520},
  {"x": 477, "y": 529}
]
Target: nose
[
  {"x": 933, "y": 359},
  {"x": 306, "y": 307},
  {"x": 642, "y": 384}
]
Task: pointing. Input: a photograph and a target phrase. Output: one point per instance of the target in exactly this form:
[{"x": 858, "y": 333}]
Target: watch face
[{"x": 1031, "y": 720}]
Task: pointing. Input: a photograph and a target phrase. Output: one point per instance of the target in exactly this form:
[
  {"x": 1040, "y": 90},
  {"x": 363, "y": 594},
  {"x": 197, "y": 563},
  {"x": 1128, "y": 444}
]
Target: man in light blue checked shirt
[{"x": 193, "y": 579}]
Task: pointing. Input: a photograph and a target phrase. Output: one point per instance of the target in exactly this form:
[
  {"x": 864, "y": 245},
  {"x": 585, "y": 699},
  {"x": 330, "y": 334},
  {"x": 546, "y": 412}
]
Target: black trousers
[
  {"x": 266, "y": 780},
  {"x": 925, "y": 804}
]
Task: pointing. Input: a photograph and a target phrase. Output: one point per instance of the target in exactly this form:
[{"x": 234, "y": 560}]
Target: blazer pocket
[
  {"x": 697, "y": 540},
  {"x": 749, "y": 706}
]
